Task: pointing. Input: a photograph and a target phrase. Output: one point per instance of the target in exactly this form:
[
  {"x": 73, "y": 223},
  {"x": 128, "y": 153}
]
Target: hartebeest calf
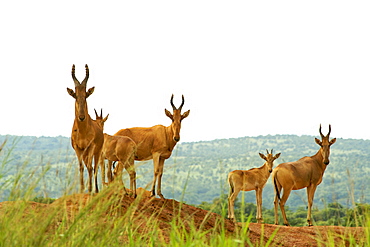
[
  {"x": 121, "y": 149},
  {"x": 306, "y": 172},
  {"x": 157, "y": 142},
  {"x": 247, "y": 180},
  {"x": 87, "y": 136}
]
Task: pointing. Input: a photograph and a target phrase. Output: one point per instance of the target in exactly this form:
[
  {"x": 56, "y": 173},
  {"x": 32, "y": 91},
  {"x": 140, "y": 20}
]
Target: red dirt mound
[{"x": 165, "y": 210}]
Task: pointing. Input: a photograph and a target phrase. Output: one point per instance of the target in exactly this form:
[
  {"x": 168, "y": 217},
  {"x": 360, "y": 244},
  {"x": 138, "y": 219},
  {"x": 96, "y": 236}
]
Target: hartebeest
[
  {"x": 306, "y": 172},
  {"x": 121, "y": 149},
  {"x": 247, "y": 180},
  {"x": 87, "y": 136},
  {"x": 157, "y": 142}
]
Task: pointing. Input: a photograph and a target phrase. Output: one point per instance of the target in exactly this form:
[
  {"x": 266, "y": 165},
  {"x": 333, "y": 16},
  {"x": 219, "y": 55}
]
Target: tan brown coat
[
  {"x": 157, "y": 142},
  {"x": 87, "y": 137}
]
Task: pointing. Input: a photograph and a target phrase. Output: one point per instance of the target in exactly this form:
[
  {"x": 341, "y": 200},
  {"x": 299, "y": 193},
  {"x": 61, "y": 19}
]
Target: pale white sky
[{"x": 245, "y": 68}]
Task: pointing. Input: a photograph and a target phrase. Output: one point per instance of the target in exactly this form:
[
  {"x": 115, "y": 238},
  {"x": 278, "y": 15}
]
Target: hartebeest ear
[
  {"x": 168, "y": 114},
  {"x": 263, "y": 156},
  {"x": 186, "y": 114},
  {"x": 332, "y": 141},
  {"x": 71, "y": 92},
  {"x": 277, "y": 156},
  {"x": 318, "y": 142},
  {"x": 89, "y": 92}
]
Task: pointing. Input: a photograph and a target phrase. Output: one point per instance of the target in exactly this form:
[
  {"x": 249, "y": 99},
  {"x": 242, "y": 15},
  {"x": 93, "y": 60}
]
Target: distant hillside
[{"x": 196, "y": 171}]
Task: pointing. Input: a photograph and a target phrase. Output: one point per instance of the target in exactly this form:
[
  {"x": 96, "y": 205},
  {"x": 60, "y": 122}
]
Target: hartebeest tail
[
  {"x": 306, "y": 172},
  {"x": 118, "y": 148},
  {"x": 157, "y": 142},
  {"x": 252, "y": 179},
  {"x": 87, "y": 136}
]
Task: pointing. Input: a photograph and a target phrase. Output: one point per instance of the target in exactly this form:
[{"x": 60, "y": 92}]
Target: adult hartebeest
[
  {"x": 247, "y": 180},
  {"x": 306, "y": 172},
  {"x": 121, "y": 149},
  {"x": 87, "y": 136},
  {"x": 157, "y": 142}
]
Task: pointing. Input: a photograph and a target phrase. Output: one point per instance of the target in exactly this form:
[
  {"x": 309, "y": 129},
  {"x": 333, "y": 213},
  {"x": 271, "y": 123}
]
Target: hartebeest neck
[
  {"x": 169, "y": 136},
  {"x": 265, "y": 170},
  {"x": 319, "y": 160},
  {"x": 83, "y": 126}
]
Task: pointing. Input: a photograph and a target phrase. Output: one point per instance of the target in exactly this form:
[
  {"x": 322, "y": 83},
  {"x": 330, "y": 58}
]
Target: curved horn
[
  {"x": 322, "y": 136},
  {"x": 329, "y": 130},
  {"x": 272, "y": 150},
  {"x": 267, "y": 151},
  {"x": 182, "y": 103},
  {"x": 173, "y": 106},
  {"x": 77, "y": 83},
  {"x": 96, "y": 114},
  {"x": 87, "y": 75}
]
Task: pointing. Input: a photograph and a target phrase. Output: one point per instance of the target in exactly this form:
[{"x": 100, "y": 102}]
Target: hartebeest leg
[
  {"x": 81, "y": 168},
  {"x": 159, "y": 177},
  {"x": 158, "y": 170},
  {"x": 109, "y": 172},
  {"x": 87, "y": 159},
  {"x": 96, "y": 169},
  {"x": 276, "y": 202},
  {"x": 310, "y": 194},
  {"x": 130, "y": 168},
  {"x": 117, "y": 174},
  {"x": 259, "y": 205},
  {"x": 283, "y": 199},
  {"x": 233, "y": 195}
]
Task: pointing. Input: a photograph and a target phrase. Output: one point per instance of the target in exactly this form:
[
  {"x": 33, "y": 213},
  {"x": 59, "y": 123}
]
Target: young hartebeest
[
  {"x": 157, "y": 142},
  {"x": 247, "y": 180},
  {"x": 306, "y": 172},
  {"x": 121, "y": 149},
  {"x": 87, "y": 136}
]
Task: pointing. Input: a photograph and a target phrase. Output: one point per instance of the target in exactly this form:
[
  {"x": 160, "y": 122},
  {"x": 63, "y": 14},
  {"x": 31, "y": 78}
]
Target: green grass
[{"x": 103, "y": 222}]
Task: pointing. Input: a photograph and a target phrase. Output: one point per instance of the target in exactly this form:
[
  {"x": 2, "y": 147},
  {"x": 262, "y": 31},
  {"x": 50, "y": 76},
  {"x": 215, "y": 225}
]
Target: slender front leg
[
  {"x": 160, "y": 173},
  {"x": 109, "y": 172},
  {"x": 259, "y": 205},
  {"x": 81, "y": 168},
  {"x": 96, "y": 169},
  {"x": 156, "y": 165},
  {"x": 102, "y": 167},
  {"x": 310, "y": 195},
  {"x": 130, "y": 168},
  {"x": 79, "y": 154}
]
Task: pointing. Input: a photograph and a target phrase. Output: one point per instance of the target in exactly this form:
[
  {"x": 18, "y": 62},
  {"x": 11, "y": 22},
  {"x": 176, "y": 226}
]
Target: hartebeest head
[
  {"x": 80, "y": 94},
  {"x": 325, "y": 145},
  {"x": 99, "y": 119},
  {"x": 270, "y": 159},
  {"x": 176, "y": 118}
]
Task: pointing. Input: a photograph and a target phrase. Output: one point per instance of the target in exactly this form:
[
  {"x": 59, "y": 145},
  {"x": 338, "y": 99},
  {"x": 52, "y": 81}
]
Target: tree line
[{"x": 197, "y": 171}]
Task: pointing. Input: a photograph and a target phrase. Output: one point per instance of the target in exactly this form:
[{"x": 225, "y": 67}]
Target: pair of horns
[
  {"x": 182, "y": 103},
  {"x": 77, "y": 83},
  {"x": 322, "y": 136},
  {"x": 268, "y": 151},
  {"x": 101, "y": 113}
]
